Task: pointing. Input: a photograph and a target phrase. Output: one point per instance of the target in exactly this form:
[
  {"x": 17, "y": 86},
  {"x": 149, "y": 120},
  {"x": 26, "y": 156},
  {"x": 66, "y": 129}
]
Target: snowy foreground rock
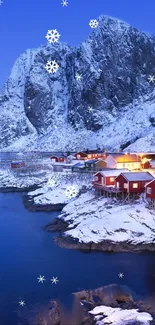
[
  {"x": 117, "y": 316},
  {"x": 97, "y": 223}
]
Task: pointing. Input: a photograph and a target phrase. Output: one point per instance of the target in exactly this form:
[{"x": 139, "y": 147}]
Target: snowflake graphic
[
  {"x": 90, "y": 109},
  {"x": 78, "y": 77},
  {"x": 41, "y": 278},
  {"x": 54, "y": 280},
  {"x": 52, "y": 182},
  {"x": 51, "y": 67},
  {"x": 64, "y": 3},
  {"x": 151, "y": 79},
  {"x": 71, "y": 192},
  {"x": 93, "y": 23},
  {"x": 1, "y": 1},
  {"x": 21, "y": 303},
  {"x": 52, "y": 36},
  {"x": 120, "y": 275}
]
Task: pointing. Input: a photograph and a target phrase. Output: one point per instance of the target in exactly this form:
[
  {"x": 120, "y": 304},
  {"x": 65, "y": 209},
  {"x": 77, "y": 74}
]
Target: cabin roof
[
  {"x": 119, "y": 158},
  {"x": 113, "y": 172},
  {"x": 79, "y": 165},
  {"x": 91, "y": 161},
  {"x": 137, "y": 176}
]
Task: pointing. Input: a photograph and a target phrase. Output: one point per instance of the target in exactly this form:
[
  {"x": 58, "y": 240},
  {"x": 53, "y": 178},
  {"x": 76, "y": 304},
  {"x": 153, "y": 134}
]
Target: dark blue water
[{"x": 27, "y": 251}]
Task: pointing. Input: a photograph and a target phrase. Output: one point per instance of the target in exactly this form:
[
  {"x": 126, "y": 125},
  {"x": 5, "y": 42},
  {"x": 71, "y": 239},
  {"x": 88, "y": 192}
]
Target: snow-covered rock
[
  {"x": 52, "y": 111},
  {"x": 97, "y": 221},
  {"x": 117, "y": 316}
]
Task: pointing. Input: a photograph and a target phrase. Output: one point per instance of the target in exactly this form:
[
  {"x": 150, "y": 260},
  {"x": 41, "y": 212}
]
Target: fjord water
[{"x": 27, "y": 251}]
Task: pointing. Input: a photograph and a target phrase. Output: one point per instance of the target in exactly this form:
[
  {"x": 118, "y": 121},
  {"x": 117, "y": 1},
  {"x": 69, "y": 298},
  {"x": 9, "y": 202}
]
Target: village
[{"x": 119, "y": 175}]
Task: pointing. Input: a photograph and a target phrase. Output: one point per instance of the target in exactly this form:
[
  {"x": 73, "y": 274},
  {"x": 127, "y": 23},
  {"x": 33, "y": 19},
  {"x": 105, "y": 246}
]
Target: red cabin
[
  {"x": 145, "y": 164},
  {"x": 106, "y": 177},
  {"x": 150, "y": 190},
  {"x": 58, "y": 158},
  {"x": 17, "y": 164},
  {"x": 133, "y": 182},
  {"x": 81, "y": 155}
]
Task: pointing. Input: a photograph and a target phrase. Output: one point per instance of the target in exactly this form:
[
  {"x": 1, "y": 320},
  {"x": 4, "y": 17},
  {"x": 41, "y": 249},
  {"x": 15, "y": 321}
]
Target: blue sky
[{"x": 24, "y": 23}]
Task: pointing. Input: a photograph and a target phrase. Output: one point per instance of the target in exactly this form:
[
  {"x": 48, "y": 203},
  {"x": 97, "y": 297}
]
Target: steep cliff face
[{"x": 110, "y": 106}]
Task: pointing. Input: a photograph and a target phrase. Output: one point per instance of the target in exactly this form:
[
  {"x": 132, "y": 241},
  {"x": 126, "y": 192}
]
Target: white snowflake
[
  {"x": 52, "y": 181},
  {"x": 78, "y": 77},
  {"x": 41, "y": 278},
  {"x": 22, "y": 303},
  {"x": 90, "y": 109},
  {"x": 54, "y": 280},
  {"x": 120, "y": 275},
  {"x": 93, "y": 23},
  {"x": 1, "y": 1},
  {"x": 52, "y": 36},
  {"x": 151, "y": 79},
  {"x": 71, "y": 192},
  {"x": 51, "y": 67},
  {"x": 64, "y": 3}
]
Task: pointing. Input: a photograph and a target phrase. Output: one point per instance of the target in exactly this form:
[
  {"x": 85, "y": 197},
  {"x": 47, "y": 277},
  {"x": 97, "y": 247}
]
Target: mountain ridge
[{"x": 57, "y": 112}]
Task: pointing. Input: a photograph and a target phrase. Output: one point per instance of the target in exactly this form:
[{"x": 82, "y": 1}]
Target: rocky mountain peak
[{"x": 113, "y": 64}]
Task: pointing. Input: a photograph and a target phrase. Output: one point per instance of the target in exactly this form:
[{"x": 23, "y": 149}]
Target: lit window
[
  {"x": 135, "y": 185},
  {"x": 89, "y": 156},
  {"x": 125, "y": 185},
  {"x": 112, "y": 179},
  {"x": 149, "y": 190}
]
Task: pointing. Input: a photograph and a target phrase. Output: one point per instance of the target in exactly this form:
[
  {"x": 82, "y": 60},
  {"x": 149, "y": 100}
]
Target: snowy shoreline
[{"x": 90, "y": 223}]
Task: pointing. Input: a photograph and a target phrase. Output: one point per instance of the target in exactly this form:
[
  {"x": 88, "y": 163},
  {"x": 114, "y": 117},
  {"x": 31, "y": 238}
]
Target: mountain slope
[{"x": 109, "y": 107}]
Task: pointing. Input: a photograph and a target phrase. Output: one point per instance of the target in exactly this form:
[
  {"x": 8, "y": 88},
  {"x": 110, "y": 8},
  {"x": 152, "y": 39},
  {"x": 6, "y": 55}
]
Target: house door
[{"x": 117, "y": 184}]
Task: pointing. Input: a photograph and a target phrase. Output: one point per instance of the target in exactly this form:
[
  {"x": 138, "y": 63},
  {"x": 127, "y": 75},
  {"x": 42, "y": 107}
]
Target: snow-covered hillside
[{"x": 111, "y": 106}]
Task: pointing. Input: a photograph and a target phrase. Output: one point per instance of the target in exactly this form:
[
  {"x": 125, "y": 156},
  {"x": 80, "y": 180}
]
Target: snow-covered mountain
[{"x": 113, "y": 104}]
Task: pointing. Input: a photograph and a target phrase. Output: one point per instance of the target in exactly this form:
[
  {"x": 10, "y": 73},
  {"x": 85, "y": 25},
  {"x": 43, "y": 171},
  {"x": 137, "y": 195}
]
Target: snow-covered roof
[
  {"x": 79, "y": 165},
  {"x": 137, "y": 176},
  {"x": 112, "y": 172},
  {"x": 91, "y": 161},
  {"x": 126, "y": 158}
]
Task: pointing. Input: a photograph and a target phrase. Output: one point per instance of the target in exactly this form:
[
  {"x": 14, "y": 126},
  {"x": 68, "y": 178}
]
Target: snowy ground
[
  {"x": 117, "y": 316},
  {"x": 96, "y": 219},
  {"x": 61, "y": 188},
  {"x": 8, "y": 179}
]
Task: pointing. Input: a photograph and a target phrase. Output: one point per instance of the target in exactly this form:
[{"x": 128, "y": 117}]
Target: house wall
[
  {"x": 129, "y": 165},
  {"x": 140, "y": 189},
  {"x": 146, "y": 165},
  {"x": 110, "y": 162},
  {"x": 108, "y": 180},
  {"x": 121, "y": 181},
  {"x": 100, "y": 177},
  {"x": 81, "y": 155},
  {"x": 152, "y": 195},
  {"x": 101, "y": 164}
]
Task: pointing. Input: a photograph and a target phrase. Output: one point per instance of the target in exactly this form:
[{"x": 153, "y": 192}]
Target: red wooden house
[
  {"x": 106, "y": 177},
  {"x": 58, "y": 158},
  {"x": 96, "y": 155},
  {"x": 17, "y": 164},
  {"x": 145, "y": 163},
  {"x": 81, "y": 155},
  {"x": 133, "y": 182}
]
